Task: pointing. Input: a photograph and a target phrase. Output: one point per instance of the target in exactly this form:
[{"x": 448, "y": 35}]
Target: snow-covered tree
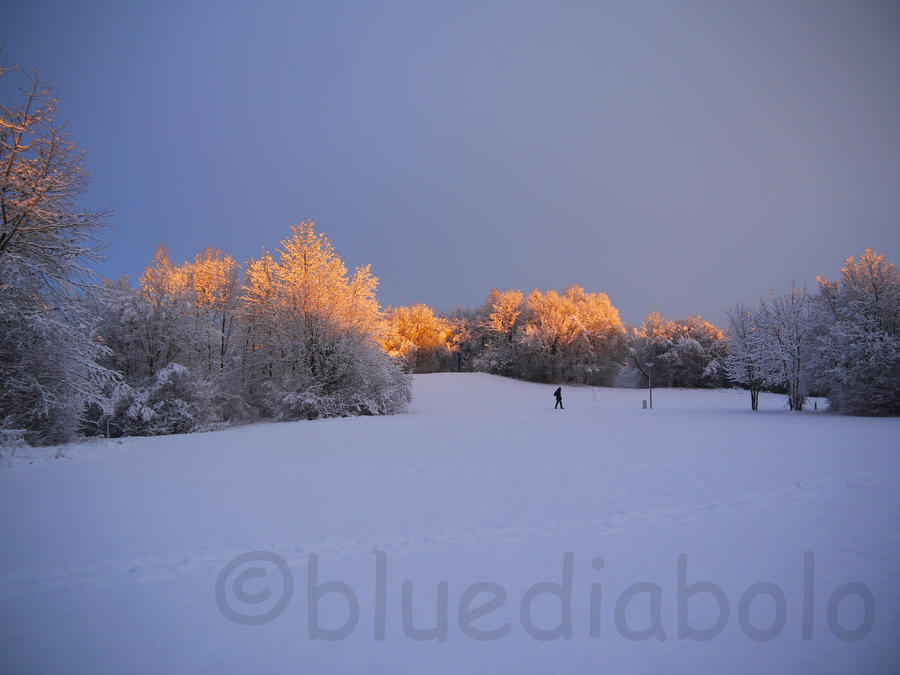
[
  {"x": 162, "y": 318},
  {"x": 172, "y": 338},
  {"x": 181, "y": 313},
  {"x": 575, "y": 336},
  {"x": 857, "y": 354},
  {"x": 463, "y": 338},
  {"x": 786, "y": 323},
  {"x": 158, "y": 394},
  {"x": 258, "y": 319},
  {"x": 685, "y": 352},
  {"x": 498, "y": 327},
  {"x": 503, "y": 312},
  {"x": 300, "y": 338},
  {"x": 313, "y": 345},
  {"x": 213, "y": 287},
  {"x": 745, "y": 363},
  {"x": 48, "y": 355},
  {"x": 424, "y": 341}
]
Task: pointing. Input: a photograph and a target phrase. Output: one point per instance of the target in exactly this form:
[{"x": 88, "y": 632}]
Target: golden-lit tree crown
[
  {"x": 504, "y": 309},
  {"x": 309, "y": 281}
]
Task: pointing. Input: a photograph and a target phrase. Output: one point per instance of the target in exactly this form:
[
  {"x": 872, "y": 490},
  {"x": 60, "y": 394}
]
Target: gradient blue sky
[{"x": 676, "y": 155}]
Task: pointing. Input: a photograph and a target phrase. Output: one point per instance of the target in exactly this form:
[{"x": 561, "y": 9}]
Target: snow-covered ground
[{"x": 111, "y": 556}]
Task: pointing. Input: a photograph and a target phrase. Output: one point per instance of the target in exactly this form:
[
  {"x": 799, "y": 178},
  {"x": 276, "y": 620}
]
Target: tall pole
[{"x": 650, "y": 380}]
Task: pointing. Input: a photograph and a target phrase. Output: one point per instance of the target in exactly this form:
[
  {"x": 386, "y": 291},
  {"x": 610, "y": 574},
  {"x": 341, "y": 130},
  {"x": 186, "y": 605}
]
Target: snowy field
[{"x": 112, "y": 557}]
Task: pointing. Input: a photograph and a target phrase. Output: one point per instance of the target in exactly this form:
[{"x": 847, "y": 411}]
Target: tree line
[
  {"x": 293, "y": 334},
  {"x": 841, "y": 342},
  {"x": 573, "y": 336}
]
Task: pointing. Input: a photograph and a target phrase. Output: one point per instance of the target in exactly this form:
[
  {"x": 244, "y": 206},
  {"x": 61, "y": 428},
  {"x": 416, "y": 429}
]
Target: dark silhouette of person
[{"x": 558, "y": 395}]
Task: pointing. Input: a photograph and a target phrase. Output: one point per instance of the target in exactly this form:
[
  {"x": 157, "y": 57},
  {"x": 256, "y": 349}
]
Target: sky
[{"x": 679, "y": 156}]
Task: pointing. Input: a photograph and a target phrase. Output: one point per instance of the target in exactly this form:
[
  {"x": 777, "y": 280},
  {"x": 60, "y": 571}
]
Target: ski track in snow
[{"x": 26, "y": 581}]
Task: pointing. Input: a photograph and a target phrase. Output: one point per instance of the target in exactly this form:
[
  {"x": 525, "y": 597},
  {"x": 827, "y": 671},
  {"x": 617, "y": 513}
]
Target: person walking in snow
[{"x": 558, "y": 395}]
